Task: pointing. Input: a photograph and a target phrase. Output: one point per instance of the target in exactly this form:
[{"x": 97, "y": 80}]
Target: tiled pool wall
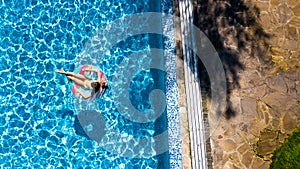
[{"x": 172, "y": 89}]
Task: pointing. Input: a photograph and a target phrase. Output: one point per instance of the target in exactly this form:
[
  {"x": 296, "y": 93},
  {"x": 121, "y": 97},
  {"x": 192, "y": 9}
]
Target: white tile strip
[
  {"x": 172, "y": 97},
  {"x": 194, "y": 102}
]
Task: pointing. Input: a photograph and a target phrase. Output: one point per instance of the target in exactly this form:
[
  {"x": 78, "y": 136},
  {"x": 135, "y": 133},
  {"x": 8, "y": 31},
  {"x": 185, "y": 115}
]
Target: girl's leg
[
  {"x": 78, "y": 76},
  {"x": 77, "y": 81},
  {"x": 65, "y": 73}
]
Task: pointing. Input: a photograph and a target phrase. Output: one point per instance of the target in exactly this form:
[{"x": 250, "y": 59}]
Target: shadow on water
[{"x": 232, "y": 28}]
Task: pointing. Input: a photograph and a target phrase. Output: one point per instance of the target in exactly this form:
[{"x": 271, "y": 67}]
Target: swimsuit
[{"x": 85, "y": 84}]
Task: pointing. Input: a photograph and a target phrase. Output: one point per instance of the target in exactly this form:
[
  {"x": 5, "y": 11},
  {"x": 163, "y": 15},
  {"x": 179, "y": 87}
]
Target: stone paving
[
  {"x": 267, "y": 100},
  {"x": 184, "y": 126}
]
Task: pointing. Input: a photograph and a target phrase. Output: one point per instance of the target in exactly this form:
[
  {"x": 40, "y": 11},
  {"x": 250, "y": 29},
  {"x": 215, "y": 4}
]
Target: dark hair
[
  {"x": 104, "y": 85},
  {"x": 96, "y": 87}
]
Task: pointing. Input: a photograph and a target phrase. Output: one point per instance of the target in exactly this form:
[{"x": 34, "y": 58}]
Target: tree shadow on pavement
[{"x": 232, "y": 28}]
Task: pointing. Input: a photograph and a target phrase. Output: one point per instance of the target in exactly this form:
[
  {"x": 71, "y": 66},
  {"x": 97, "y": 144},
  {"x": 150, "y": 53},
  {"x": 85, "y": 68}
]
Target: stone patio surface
[{"x": 258, "y": 43}]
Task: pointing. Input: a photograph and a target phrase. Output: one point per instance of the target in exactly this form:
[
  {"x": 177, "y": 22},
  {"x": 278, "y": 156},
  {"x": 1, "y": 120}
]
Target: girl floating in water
[{"x": 97, "y": 86}]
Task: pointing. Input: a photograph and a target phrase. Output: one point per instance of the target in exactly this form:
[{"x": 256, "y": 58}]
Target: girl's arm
[
  {"x": 97, "y": 71},
  {"x": 82, "y": 94}
]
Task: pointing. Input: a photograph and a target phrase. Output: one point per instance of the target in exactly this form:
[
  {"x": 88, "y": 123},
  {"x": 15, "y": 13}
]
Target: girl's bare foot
[{"x": 60, "y": 71}]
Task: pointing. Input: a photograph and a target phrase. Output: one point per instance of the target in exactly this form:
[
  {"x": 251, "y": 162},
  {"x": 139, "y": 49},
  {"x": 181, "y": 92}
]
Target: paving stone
[
  {"x": 274, "y": 3},
  {"x": 230, "y": 165},
  {"x": 291, "y": 32},
  {"x": 279, "y": 101},
  {"x": 290, "y": 122},
  {"x": 254, "y": 78},
  {"x": 256, "y": 92},
  {"x": 268, "y": 135},
  {"x": 283, "y": 13},
  {"x": 227, "y": 145},
  {"x": 243, "y": 148},
  {"x": 295, "y": 21},
  {"x": 291, "y": 3},
  {"x": 263, "y": 6},
  {"x": 267, "y": 22},
  {"x": 229, "y": 133},
  {"x": 291, "y": 85},
  {"x": 296, "y": 109},
  {"x": 275, "y": 123},
  {"x": 290, "y": 44},
  {"x": 277, "y": 83},
  {"x": 234, "y": 157},
  {"x": 257, "y": 163},
  {"x": 265, "y": 165},
  {"x": 296, "y": 10},
  {"x": 249, "y": 107},
  {"x": 225, "y": 159},
  {"x": 266, "y": 148},
  {"x": 238, "y": 139},
  {"x": 254, "y": 129},
  {"x": 247, "y": 159}
]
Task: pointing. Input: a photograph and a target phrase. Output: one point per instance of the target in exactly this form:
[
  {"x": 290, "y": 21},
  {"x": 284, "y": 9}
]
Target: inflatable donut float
[{"x": 87, "y": 74}]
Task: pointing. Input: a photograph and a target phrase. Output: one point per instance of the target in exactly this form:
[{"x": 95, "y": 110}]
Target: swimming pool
[{"x": 41, "y": 123}]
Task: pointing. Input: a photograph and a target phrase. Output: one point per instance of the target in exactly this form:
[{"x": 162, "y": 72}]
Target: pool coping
[{"x": 192, "y": 123}]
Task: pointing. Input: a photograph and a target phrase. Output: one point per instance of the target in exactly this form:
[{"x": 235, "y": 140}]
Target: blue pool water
[{"x": 41, "y": 122}]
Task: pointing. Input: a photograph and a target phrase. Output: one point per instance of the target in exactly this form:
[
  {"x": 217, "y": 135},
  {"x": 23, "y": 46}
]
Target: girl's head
[{"x": 96, "y": 87}]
